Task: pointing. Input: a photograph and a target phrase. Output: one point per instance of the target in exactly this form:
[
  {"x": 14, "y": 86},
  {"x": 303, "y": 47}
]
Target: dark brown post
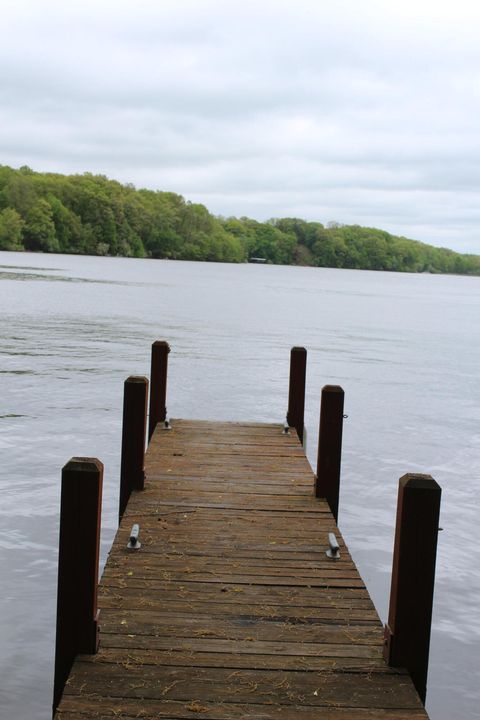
[
  {"x": 80, "y": 517},
  {"x": 327, "y": 484},
  {"x": 158, "y": 385},
  {"x": 132, "y": 476},
  {"x": 296, "y": 390},
  {"x": 407, "y": 635}
]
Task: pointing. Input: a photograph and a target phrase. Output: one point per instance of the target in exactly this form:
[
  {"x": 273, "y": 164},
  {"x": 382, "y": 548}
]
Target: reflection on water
[
  {"x": 405, "y": 348},
  {"x": 53, "y": 278}
]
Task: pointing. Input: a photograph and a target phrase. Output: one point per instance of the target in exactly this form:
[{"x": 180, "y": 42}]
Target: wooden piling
[
  {"x": 133, "y": 438},
  {"x": 296, "y": 390},
  {"x": 80, "y": 518},
  {"x": 327, "y": 482},
  {"x": 407, "y": 635},
  {"x": 158, "y": 385}
]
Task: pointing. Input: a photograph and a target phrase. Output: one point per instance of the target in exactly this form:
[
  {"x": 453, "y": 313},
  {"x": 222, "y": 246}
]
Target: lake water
[{"x": 405, "y": 348}]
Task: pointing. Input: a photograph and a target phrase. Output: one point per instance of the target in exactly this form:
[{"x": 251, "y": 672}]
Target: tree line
[{"x": 92, "y": 215}]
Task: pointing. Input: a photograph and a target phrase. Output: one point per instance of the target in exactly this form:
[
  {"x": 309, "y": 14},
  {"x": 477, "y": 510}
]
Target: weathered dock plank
[{"x": 231, "y": 608}]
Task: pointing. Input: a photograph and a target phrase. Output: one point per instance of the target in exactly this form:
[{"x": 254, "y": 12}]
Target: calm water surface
[{"x": 406, "y": 349}]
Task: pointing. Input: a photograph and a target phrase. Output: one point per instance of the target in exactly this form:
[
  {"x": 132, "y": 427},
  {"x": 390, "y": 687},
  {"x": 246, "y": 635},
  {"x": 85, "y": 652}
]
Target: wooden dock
[{"x": 231, "y": 608}]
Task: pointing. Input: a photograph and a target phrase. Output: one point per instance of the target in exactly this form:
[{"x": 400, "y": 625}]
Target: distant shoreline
[{"x": 92, "y": 215}]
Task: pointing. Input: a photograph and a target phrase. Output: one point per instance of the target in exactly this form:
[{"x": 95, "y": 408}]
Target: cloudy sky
[{"x": 358, "y": 112}]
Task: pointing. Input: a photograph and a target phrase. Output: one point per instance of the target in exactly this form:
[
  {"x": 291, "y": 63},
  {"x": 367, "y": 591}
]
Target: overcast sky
[{"x": 355, "y": 111}]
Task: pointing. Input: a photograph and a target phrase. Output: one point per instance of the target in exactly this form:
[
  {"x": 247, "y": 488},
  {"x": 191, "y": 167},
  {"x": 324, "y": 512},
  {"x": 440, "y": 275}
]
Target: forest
[{"x": 92, "y": 215}]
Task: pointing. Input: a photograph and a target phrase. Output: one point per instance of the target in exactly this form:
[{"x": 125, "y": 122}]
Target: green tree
[
  {"x": 20, "y": 193},
  {"x": 271, "y": 243},
  {"x": 39, "y": 232},
  {"x": 68, "y": 227},
  {"x": 11, "y": 226}
]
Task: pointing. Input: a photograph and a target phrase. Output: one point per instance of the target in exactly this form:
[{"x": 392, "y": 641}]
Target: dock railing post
[
  {"x": 327, "y": 481},
  {"x": 80, "y": 520},
  {"x": 158, "y": 385},
  {"x": 296, "y": 390},
  {"x": 407, "y": 634},
  {"x": 135, "y": 393}
]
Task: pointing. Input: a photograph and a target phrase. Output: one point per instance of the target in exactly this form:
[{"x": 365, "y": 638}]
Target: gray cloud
[{"x": 326, "y": 110}]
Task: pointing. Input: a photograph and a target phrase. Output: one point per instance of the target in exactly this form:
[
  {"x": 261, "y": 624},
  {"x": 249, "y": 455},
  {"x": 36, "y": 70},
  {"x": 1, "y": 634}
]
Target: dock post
[
  {"x": 296, "y": 390},
  {"x": 327, "y": 481},
  {"x": 135, "y": 393},
  {"x": 158, "y": 385},
  {"x": 407, "y": 635},
  {"x": 80, "y": 519}
]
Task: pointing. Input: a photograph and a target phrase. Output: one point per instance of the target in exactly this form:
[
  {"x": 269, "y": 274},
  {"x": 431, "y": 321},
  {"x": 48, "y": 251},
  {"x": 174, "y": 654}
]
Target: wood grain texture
[{"x": 231, "y": 608}]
